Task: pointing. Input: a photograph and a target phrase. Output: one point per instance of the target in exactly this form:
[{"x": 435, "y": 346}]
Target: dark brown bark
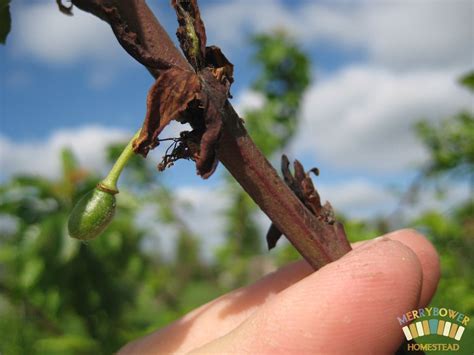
[
  {"x": 318, "y": 243},
  {"x": 138, "y": 31}
]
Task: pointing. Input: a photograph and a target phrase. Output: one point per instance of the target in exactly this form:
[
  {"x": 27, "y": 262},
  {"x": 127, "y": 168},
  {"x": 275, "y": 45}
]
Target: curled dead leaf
[
  {"x": 302, "y": 186},
  {"x": 168, "y": 98},
  {"x": 221, "y": 68},
  {"x": 195, "y": 97}
]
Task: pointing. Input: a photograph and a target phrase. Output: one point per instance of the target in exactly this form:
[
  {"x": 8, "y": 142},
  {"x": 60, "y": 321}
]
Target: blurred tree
[
  {"x": 450, "y": 145},
  {"x": 283, "y": 77},
  {"x": 60, "y": 295}
]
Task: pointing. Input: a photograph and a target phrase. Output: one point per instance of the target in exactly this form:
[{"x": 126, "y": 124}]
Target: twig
[{"x": 317, "y": 242}]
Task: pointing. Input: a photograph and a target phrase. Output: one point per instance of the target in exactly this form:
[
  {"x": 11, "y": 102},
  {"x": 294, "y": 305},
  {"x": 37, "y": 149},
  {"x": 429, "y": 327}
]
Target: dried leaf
[
  {"x": 289, "y": 179},
  {"x": 221, "y": 68},
  {"x": 167, "y": 100},
  {"x": 197, "y": 98},
  {"x": 306, "y": 189},
  {"x": 273, "y": 235},
  {"x": 66, "y": 10},
  {"x": 215, "y": 96},
  {"x": 299, "y": 172},
  {"x": 302, "y": 186},
  {"x": 191, "y": 32}
]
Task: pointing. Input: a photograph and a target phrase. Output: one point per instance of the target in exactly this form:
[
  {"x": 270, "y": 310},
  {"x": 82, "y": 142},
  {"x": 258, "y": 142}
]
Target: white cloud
[
  {"x": 248, "y": 100},
  {"x": 363, "y": 117},
  {"x": 43, "y": 157},
  {"x": 397, "y": 33},
  {"x": 239, "y": 18},
  {"x": 358, "y": 198},
  {"x": 201, "y": 208},
  {"x": 364, "y": 199},
  {"x": 430, "y": 199},
  {"x": 42, "y": 32},
  {"x": 425, "y": 33}
]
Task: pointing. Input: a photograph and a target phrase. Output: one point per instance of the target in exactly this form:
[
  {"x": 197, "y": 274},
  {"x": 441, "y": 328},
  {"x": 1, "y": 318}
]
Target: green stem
[{"x": 109, "y": 183}]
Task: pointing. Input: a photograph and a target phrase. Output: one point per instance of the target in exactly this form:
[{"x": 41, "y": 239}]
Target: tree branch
[{"x": 317, "y": 242}]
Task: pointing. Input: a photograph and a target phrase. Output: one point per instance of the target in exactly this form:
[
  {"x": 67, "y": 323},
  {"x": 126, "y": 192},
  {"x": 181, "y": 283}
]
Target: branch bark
[{"x": 317, "y": 242}]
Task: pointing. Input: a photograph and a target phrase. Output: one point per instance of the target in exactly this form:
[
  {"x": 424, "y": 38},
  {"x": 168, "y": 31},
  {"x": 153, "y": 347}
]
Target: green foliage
[
  {"x": 450, "y": 145},
  {"x": 452, "y": 236},
  {"x": 72, "y": 295},
  {"x": 451, "y": 142},
  {"x": 5, "y": 20},
  {"x": 467, "y": 80},
  {"x": 282, "y": 80}
]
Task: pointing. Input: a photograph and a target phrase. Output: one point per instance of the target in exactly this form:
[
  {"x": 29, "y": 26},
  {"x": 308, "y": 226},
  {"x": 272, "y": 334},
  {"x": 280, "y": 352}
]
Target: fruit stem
[{"x": 109, "y": 183}]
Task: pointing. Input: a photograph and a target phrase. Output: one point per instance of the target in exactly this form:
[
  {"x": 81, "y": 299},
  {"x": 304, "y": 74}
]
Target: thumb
[{"x": 349, "y": 306}]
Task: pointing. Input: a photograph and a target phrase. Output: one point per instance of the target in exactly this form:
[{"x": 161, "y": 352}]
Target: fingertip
[
  {"x": 349, "y": 306},
  {"x": 428, "y": 256}
]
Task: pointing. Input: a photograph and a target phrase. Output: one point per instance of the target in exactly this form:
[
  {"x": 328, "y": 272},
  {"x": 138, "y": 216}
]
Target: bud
[{"x": 92, "y": 214}]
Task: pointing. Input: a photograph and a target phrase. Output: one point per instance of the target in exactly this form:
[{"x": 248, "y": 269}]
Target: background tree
[
  {"x": 450, "y": 145},
  {"x": 63, "y": 295}
]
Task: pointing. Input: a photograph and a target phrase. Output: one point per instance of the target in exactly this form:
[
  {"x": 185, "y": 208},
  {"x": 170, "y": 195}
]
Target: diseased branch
[{"x": 319, "y": 243}]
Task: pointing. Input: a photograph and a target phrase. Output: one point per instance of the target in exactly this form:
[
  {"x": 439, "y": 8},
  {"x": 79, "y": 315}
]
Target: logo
[{"x": 433, "y": 321}]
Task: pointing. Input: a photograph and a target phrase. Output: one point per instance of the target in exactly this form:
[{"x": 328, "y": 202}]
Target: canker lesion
[{"x": 301, "y": 184}]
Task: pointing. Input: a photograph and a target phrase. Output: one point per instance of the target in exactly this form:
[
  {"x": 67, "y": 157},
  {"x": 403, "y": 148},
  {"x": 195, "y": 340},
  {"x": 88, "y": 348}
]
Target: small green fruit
[{"x": 92, "y": 214}]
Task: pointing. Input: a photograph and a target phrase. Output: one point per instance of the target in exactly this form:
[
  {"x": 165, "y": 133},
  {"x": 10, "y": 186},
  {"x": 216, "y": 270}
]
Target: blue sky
[{"x": 378, "y": 67}]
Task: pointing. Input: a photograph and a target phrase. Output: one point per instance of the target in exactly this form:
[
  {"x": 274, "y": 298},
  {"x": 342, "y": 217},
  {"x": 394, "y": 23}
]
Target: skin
[{"x": 349, "y": 306}]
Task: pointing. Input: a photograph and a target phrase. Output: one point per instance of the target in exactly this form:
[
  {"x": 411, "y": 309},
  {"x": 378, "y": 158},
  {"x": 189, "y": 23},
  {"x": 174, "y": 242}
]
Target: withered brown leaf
[
  {"x": 213, "y": 101},
  {"x": 302, "y": 186},
  {"x": 167, "y": 99},
  {"x": 221, "y": 68},
  {"x": 195, "y": 97},
  {"x": 66, "y": 10}
]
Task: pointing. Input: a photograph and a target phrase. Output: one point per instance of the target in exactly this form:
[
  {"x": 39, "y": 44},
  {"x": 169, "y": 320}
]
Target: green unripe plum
[{"x": 92, "y": 214}]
